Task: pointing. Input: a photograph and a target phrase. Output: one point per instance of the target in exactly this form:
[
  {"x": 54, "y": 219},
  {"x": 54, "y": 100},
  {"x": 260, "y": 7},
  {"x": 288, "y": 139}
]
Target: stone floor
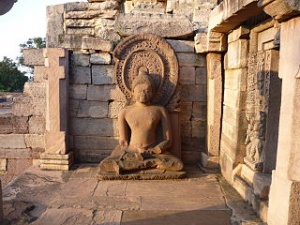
[{"x": 76, "y": 198}]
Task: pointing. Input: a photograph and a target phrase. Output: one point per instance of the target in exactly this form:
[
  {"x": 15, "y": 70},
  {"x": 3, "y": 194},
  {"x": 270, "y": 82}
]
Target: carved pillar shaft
[
  {"x": 285, "y": 187},
  {"x": 56, "y": 154}
]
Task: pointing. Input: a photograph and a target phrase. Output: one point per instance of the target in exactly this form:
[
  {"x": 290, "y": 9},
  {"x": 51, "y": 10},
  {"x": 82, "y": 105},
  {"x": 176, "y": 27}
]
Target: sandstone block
[
  {"x": 191, "y": 59},
  {"x": 44, "y": 166},
  {"x": 103, "y": 74},
  {"x": 36, "y": 154},
  {"x": 79, "y": 59},
  {"x": 40, "y": 74},
  {"x": 35, "y": 89},
  {"x": 181, "y": 45},
  {"x": 239, "y": 33},
  {"x": 81, "y": 75},
  {"x": 193, "y": 93},
  {"x": 164, "y": 25},
  {"x": 104, "y": 93},
  {"x": 236, "y": 79},
  {"x": 94, "y": 109},
  {"x": 234, "y": 99},
  {"x": 73, "y": 107},
  {"x": 99, "y": 127},
  {"x": 199, "y": 111},
  {"x": 237, "y": 54},
  {"x": 3, "y": 167},
  {"x": 75, "y": 6},
  {"x": 201, "y": 75},
  {"x": 114, "y": 109},
  {"x": 20, "y": 106},
  {"x": 186, "y": 111},
  {"x": 198, "y": 129},
  {"x": 101, "y": 58},
  {"x": 12, "y": 141},
  {"x": 192, "y": 144},
  {"x": 55, "y": 25},
  {"x": 93, "y": 156},
  {"x": 80, "y": 23},
  {"x": 210, "y": 42},
  {"x": 6, "y": 125},
  {"x": 68, "y": 41},
  {"x": 82, "y": 15},
  {"x": 186, "y": 129},
  {"x": 93, "y": 43},
  {"x": 20, "y": 125},
  {"x": 37, "y": 125},
  {"x": 33, "y": 57},
  {"x": 13, "y": 153},
  {"x": 78, "y": 91},
  {"x": 95, "y": 143},
  {"x": 81, "y": 31},
  {"x": 104, "y": 5},
  {"x": 35, "y": 141},
  {"x": 38, "y": 107},
  {"x": 187, "y": 75}
]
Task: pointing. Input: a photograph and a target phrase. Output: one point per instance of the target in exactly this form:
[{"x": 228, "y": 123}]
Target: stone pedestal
[
  {"x": 285, "y": 188},
  {"x": 56, "y": 155}
]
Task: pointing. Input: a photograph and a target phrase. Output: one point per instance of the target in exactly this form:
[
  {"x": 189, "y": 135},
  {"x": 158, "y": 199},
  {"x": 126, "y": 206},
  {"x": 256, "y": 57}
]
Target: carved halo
[{"x": 153, "y": 53}]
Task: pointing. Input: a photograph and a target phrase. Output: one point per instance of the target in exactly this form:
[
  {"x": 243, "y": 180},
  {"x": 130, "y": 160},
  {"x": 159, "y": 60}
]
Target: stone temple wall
[{"x": 91, "y": 30}]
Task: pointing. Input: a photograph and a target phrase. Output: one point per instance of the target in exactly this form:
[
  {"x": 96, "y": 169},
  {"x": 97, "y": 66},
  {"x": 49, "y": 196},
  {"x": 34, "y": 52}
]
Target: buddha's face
[{"x": 143, "y": 93}]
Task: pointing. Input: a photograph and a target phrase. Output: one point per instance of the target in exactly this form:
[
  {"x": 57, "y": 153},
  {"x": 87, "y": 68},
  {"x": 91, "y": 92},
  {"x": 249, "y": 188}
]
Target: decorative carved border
[{"x": 152, "y": 52}]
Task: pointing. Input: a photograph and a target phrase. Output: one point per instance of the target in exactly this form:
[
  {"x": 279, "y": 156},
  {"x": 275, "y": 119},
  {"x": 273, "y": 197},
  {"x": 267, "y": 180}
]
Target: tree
[
  {"x": 11, "y": 78},
  {"x": 36, "y": 42}
]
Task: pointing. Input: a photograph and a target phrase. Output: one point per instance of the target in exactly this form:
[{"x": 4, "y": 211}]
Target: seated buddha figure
[{"x": 145, "y": 134}]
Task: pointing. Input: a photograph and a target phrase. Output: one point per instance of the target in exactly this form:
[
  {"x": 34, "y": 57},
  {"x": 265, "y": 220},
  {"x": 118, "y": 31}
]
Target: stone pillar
[
  {"x": 285, "y": 188},
  {"x": 214, "y": 44},
  {"x": 1, "y": 203},
  {"x": 56, "y": 154}
]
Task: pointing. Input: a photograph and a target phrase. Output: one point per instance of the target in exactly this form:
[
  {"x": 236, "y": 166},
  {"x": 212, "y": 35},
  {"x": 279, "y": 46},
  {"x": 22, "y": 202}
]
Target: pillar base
[{"x": 56, "y": 162}]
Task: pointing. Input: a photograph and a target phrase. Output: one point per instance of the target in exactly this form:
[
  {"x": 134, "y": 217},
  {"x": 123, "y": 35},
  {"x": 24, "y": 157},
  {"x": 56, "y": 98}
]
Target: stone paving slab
[{"x": 76, "y": 197}]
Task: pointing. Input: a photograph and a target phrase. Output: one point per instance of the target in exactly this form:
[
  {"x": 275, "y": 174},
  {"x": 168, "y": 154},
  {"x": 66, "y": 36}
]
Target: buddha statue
[{"x": 145, "y": 134}]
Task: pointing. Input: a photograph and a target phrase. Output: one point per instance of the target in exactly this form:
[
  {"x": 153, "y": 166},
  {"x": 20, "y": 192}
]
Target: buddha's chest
[{"x": 143, "y": 119}]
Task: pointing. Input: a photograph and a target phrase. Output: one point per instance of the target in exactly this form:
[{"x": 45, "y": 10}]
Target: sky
[{"x": 26, "y": 19}]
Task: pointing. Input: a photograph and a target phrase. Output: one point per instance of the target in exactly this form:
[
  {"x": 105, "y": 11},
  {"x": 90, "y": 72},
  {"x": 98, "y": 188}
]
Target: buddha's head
[{"x": 143, "y": 87}]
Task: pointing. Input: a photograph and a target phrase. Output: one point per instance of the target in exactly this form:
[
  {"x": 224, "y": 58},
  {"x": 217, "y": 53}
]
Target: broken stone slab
[{"x": 164, "y": 25}]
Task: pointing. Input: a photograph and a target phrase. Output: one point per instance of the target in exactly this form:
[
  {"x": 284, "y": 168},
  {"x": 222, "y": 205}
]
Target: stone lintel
[
  {"x": 164, "y": 25},
  {"x": 231, "y": 13},
  {"x": 33, "y": 57},
  {"x": 210, "y": 42},
  {"x": 280, "y": 9}
]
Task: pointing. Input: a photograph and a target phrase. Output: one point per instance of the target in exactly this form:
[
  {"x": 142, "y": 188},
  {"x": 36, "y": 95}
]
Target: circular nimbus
[{"x": 151, "y": 52}]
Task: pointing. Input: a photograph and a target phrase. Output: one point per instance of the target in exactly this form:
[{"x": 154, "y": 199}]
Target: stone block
[
  {"x": 193, "y": 93},
  {"x": 95, "y": 143},
  {"x": 79, "y": 59},
  {"x": 104, "y": 93},
  {"x": 6, "y": 125},
  {"x": 94, "y": 43},
  {"x": 85, "y": 15},
  {"x": 93, "y": 156},
  {"x": 234, "y": 99},
  {"x": 99, "y": 127},
  {"x": 103, "y": 74},
  {"x": 36, "y": 154},
  {"x": 186, "y": 129},
  {"x": 104, "y": 5},
  {"x": 3, "y": 167},
  {"x": 68, "y": 41},
  {"x": 35, "y": 141},
  {"x": 1, "y": 202},
  {"x": 55, "y": 25},
  {"x": 114, "y": 109},
  {"x": 191, "y": 157},
  {"x": 198, "y": 129},
  {"x": 164, "y": 25},
  {"x": 237, "y": 54},
  {"x": 186, "y": 111},
  {"x": 38, "y": 107},
  {"x": 33, "y": 57},
  {"x": 192, "y": 144},
  {"x": 20, "y": 106},
  {"x": 191, "y": 59},
  {"x": 81, "y": 75},
  {"x": 187, "y": 75},
  {"x": 12, "y": 153},
  {"x": 210, "y": 42},
  {"x": 55, "y": 167},
  {"x": 75, "y": 6},
  {"x": 78, "y": 91},
  {"x": 37, "y": 125},
  {"x": 56, "y": 161},
  {"x": 40, "y": 74},
  {"x": 201, "y": 75},
  {"x": 182, "y": 46},
  {"x": 73, "y": 107},
  {"x": 81, "y": 31},
  {"x": 20, "y": 125},
  {"x": 236, "y": 79},
  {"x": 199, "y": 111},
  {"x": 35, "y": 89},
  {"x": 239, "y": 33},
  {"x": 79, "y": 23},
  {"x": 101, "y": 58},
  {"x": 93, "y": 109},
  {"x": 12, "y": 141}
]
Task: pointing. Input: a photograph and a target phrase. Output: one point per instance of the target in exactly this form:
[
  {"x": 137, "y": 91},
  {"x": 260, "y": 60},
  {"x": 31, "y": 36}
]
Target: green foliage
[{"x": 11, "y": 78}]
